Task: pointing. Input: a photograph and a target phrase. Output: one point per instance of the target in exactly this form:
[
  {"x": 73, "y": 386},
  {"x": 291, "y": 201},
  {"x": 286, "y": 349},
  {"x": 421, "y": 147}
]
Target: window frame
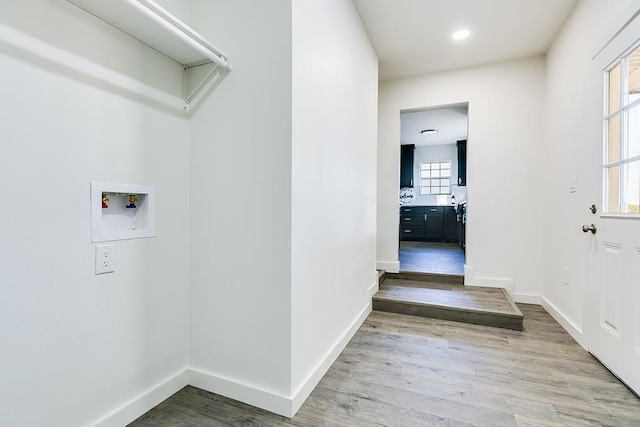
[
  {"x": 449, "y": 177},
  {"x": 623, "y": 112}
]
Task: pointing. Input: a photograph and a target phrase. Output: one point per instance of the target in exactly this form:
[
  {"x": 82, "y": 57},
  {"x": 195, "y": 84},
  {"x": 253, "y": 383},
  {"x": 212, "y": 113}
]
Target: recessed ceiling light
[
  {"x": 429, "y": 131},
  {"x": 461, "y": 34}
]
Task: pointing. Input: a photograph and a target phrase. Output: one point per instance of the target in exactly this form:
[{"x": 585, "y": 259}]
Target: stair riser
[
  {"x": 382, "y": 275},
  {"x": 427, "y": 278},
  {"x": 486, "y": 319}
]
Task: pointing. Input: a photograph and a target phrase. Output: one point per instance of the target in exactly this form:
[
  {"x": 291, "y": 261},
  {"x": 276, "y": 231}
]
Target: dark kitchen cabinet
[
  {"x": 412, "y": 222},
  {"x": 462, "y": 162},
  {"x": 406, "y": 165},
  {"x": 434, "y": 223},
  {"x": 461, "y": 217},
  {"x": 411, "y": 210},
  {"x": 422, "y": 222},
  {"x": 450, "y": 224}
]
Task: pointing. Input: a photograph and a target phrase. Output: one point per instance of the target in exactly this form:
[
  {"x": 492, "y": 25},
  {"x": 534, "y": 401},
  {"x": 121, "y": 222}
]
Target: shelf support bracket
[{"x": 189, "y": 97}]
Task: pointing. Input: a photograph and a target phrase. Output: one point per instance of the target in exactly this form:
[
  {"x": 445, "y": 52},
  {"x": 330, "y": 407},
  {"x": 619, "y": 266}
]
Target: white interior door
[
  {"x": 613, "y": 318},
  {"x": 612, "y": 322}
]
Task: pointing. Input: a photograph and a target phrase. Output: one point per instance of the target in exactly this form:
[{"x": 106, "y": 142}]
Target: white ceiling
[
  {"x": 451, "y": 123},
  {"x": 413, "y": 37}
]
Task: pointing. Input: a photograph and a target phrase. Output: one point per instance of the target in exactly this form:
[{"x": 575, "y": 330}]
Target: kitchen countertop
[{"x": 425, "y": 206}]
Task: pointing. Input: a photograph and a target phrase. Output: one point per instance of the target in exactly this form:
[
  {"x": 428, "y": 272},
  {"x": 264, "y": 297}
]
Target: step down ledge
[
  {"x": 452, "y": 279},
  {"x": 444, "y": 312}
]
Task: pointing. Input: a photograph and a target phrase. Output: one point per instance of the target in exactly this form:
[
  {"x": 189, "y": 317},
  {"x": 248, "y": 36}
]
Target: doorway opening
[{"x": 433, "y": 189}]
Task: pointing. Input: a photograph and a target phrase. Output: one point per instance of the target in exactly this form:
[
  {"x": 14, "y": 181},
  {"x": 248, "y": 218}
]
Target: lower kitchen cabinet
[
  {"x": 450, "y": 224},
  {"x": 425, "y": 223},
  {"x": 411, "y": 222},
  {"x": 461, "y": 217},
  {"x": 434, "y": 224}
]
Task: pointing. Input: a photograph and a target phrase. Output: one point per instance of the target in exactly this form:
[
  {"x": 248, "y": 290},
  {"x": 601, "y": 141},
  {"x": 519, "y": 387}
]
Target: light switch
[{"x": 573, "y": 184}]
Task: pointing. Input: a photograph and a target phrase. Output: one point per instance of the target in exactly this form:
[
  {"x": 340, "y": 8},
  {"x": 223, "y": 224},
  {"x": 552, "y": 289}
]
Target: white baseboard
[
  {"x": 269, "y": 400},
  {"x": 564, "y": 321},
  {"x": 134, "y": 409},
  {"x": 527, "y": 298},
  {"x": 470, "y": 279},
  {"x": 250, "y": 394},
  {"x": 389, "y": 266},
  {"x": 373, "y": 288}
]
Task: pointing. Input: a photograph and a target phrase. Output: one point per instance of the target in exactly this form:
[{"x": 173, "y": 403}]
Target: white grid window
[
  {"x": 435, "y": 177},
  {"x": 621, "y": 153}
]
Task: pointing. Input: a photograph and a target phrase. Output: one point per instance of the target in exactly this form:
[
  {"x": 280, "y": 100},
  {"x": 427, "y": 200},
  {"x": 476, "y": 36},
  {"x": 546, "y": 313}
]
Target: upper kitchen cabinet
[
  {"x": 462, "y": 162},
  {"x": 406, "y": 165}
]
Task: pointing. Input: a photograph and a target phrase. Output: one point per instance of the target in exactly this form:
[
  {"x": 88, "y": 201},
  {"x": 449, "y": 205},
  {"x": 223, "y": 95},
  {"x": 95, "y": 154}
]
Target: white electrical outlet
[{"x": 105, "y": 262}]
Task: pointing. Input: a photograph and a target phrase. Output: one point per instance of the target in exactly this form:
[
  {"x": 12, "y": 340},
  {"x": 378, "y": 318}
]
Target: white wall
[
  {"x": 74, "y": 347},
  {"x": 240, "y": 226},
  {"x": 505, "y": 198},
  {"x": 572, "y": 147},
  {"x": 335, "y": 84},
  {"x": 281, "y": 274}
]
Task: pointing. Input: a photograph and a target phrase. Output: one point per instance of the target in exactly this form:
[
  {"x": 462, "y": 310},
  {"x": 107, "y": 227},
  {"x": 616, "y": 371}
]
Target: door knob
[
  {"x": 591, "y": 228},
  {"x": 593, "y": 209}
]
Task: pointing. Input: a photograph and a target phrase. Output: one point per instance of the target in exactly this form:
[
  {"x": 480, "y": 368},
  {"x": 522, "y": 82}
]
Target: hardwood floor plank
[
  {"x": 441, "y": 329},
  {"x": 168, "y": 416},
  {"x": 577, "y": 417},
  {"x": 222, "y": 411},
  {"x": 409, "y": 396},
  {"x": 361, "y": 408},
  {"x": 446, "y": 384},
  {"x": 534, "y": 422}
]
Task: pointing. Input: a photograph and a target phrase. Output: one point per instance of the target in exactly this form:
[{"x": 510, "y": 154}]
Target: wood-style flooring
[
  {"x": 431, "y": 257},
  {"x": 402, "y": 370}
]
